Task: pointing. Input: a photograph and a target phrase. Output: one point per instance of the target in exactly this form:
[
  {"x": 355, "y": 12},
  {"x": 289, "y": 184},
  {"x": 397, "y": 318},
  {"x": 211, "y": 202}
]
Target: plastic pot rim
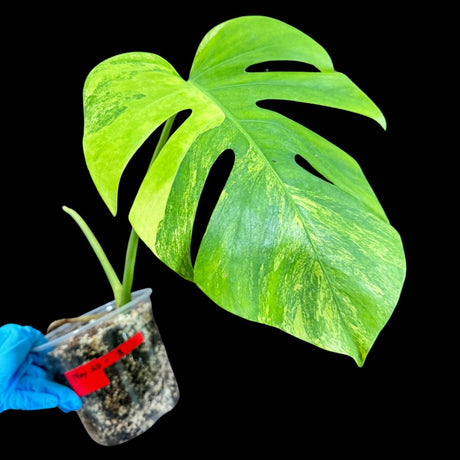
[{"x": 111, "y": 312}]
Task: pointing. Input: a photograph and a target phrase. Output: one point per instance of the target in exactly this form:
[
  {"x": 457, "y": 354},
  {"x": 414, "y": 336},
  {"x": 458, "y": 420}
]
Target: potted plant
[{"x": 297, "y": 239}]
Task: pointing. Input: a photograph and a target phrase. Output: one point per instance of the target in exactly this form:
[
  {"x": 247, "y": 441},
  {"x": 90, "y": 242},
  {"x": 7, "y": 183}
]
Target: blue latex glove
[{"x": 23, "y": 383}]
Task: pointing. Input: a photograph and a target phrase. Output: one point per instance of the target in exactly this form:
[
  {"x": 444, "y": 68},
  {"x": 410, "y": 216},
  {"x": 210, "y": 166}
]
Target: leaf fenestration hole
[
  {"x": 303, "y": 163},
  {"x": 282, "y": 66},
  {"x": 180, "y": 118},
  {"x": 135, "y": 171},
  {"x": 212, "y": 190}
]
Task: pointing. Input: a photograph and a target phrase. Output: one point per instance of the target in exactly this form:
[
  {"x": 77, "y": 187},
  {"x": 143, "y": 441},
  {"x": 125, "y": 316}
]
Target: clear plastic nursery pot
[{"x": 118, "y": 365}]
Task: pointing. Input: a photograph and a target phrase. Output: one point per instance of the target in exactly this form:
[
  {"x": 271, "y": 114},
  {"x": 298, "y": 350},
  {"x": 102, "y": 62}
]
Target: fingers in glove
[
  {"x": 67, "y": 400},
  {"x": 31, "y": 400}
]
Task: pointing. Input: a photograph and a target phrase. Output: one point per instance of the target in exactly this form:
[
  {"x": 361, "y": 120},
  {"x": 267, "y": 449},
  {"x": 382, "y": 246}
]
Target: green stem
[
  {"x": 121, "y": 291},
  {"x": 163, "y": 138},
  {"x": 131, "y": 251},
  {"x": 130, "y": 263},
  {"x": 97, "y": 248}
]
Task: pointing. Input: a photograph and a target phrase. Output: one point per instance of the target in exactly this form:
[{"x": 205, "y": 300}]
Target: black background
[{"x": 245, "y": 387}]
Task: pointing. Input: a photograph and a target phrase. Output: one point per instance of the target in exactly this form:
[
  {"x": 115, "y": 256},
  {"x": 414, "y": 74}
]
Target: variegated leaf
[{"x": 316, "y": 258}]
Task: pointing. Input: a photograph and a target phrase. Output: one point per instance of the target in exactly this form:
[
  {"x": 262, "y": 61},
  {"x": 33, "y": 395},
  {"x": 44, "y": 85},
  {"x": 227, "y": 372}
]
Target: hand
[{"x": 23, "y": 383}]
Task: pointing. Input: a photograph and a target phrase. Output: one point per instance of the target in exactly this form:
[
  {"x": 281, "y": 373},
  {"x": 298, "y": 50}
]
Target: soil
[{"x": 142, "y": 384}]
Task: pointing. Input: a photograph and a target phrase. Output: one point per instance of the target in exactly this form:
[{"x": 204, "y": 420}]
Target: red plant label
[{"x": 90, "y": 377}]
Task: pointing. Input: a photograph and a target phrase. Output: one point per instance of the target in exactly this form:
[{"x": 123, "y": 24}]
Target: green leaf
[{"x": 315, "y": 258}]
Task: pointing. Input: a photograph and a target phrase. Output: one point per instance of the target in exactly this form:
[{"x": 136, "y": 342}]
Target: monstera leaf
[{"x": 316, "y": 258}]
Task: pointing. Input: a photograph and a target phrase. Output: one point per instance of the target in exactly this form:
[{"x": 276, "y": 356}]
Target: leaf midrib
[{"x": 251, "y": 141}]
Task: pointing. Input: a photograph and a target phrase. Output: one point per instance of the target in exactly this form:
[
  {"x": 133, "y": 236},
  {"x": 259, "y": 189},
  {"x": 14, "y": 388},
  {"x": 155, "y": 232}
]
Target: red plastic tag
[{"x": 90, "y": 377}]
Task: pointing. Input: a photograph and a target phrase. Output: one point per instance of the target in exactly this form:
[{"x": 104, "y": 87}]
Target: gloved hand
[{"x": 23, "y": 383}]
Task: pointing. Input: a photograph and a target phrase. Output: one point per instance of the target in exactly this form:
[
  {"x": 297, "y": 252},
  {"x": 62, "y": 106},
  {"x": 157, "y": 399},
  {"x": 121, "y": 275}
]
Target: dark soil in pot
[{"x": 123, "y": 360}]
